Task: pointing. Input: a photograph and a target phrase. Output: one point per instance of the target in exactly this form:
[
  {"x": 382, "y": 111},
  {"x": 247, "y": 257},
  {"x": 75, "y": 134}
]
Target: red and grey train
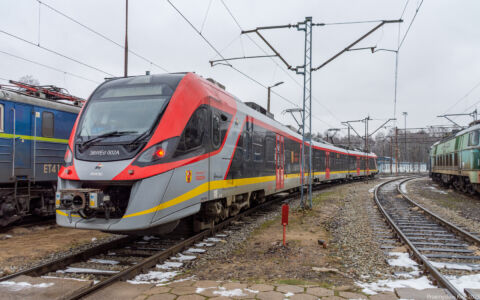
[{"x": 149, "y": 151}]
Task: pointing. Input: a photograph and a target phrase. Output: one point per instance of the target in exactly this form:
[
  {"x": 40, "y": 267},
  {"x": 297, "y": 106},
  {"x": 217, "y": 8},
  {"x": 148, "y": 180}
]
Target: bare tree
[{"x": 29, "y": 79}]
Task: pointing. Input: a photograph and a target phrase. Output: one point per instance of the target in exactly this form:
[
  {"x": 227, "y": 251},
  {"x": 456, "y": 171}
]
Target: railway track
[
  {"x": 444, "y": 250},
  {"x": 134, "y": 255}
]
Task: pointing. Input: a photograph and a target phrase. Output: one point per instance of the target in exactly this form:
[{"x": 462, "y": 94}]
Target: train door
[
  {"x": 279, "y": 161},
  {"x": 358, "y": 165},
  {"x": 327, "y": 165},
  {"x": 22, "y": 128},
  {"x": 367, "y": 162}
]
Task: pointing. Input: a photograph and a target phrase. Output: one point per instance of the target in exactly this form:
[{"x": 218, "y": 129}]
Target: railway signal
[{"x": 285, "y": 222}]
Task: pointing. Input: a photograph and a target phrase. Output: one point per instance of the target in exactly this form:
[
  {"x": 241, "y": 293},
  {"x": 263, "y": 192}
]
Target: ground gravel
[{"x": 354, "y": 237}]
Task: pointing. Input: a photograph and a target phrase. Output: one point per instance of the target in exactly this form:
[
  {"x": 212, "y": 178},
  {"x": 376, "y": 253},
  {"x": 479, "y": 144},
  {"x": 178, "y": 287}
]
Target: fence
[{"x": 403, "y": 167}]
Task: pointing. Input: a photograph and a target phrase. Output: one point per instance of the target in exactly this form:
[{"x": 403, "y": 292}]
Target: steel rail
[
  {"x": 424, "y": 261},
  {"x": 467, "y": 235},
  {"x": 67, "y": 260}
]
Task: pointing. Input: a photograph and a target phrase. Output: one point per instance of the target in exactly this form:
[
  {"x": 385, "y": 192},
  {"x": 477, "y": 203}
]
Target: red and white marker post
[{"x": 284, "y": 221}]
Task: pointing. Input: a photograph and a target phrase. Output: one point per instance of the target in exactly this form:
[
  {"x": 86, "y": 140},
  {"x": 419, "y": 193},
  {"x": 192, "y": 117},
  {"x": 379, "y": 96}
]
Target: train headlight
[
  {"x": 158, "y": 153},
  {"x": 154, "y": 153}
]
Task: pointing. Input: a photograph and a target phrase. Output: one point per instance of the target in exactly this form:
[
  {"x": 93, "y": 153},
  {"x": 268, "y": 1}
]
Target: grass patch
[
  {"x": 321, "y": 198},
  {"x": 294, "y": 282},
  {"x": 265, "y": 225}
]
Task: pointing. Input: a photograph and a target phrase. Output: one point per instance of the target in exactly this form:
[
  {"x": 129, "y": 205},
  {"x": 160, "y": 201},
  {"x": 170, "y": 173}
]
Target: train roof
[
  {"x": 271, "y": 121},
  {"x": 18, "y": 96},
  {"x": 475, "y": 126}
]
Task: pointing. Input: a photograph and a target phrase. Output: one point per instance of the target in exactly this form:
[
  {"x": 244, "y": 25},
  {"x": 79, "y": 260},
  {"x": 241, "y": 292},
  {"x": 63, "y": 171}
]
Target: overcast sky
[{"x": 439, "y": 62}]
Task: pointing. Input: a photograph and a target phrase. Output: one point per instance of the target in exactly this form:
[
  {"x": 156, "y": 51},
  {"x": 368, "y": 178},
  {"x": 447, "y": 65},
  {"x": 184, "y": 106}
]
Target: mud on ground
[
  {"x": 338, "y": 218},
  {"x": 24, "y": 247}
]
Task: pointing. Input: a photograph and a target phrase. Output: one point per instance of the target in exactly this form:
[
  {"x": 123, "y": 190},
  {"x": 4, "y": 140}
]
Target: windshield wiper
[
  {"x": 103, "y": 136},
  {"x": 140, "y": 137}
]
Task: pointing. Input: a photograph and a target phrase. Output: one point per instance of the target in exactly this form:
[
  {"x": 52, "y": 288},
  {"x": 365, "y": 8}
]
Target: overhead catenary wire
[
  {"x": 100, "y": 34},
  {"x": 410, "y": 25},
  {"x": 219, "y": 54},
  {"x": 56, "y": 53},
  {"x": 48, "y": 67},
  {"x": 206, "y": 15},
  {"x": 463, "y": 97}
]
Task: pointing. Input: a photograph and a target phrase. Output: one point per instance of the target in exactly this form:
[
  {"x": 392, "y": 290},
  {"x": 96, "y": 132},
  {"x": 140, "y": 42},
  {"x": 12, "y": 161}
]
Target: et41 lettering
[{"x": 51, "y": 168}]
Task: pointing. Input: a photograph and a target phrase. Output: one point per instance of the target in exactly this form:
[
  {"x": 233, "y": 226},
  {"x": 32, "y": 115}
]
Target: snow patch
[
  {"x": 153, "y": 277},
  {"x": 94, "y": 239},
  {"x": 17, "y": 286},
  {"x": 466, "y": 281},
  {"x": 86, "y": 270},
  {"x": 402, "y": 260},
  {"x": 202, "y": 244},
  {"x": 437, "y": 190},
  {"x": 170, "y": 265},
  {"x": 195, "y": 250},
  {"x": 403, "y": 188},
  {"x": 104, "y": 261},
  {"x": 212, "y": 239},
  {"x": 221, "y": 235},
  {"x": 223, "y": 292},
  {"x": 149, "y": 237},
  {"x": 182, "y": 257},
  {"x": 453, "y": 266},
  {"x": 252, "y": 291},
  {"x": 289, "y": 294},
  {"x": 64, "y": 278},
  {"x": 388, "y": 285}
]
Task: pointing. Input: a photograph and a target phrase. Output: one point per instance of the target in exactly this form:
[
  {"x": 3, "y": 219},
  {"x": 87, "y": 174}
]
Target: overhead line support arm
[{"x": 356, "y": 42}]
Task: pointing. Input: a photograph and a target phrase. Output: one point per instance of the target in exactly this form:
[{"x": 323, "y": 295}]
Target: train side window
[
  {"x": 257, "y": 146},
  {"x": 269, "y": 149},
  {"x": 194, "y": 133},
  {"x": 216, "y": 132},
  {"x": 1, "y": 118},
  {"x": 47, "y": 124}
]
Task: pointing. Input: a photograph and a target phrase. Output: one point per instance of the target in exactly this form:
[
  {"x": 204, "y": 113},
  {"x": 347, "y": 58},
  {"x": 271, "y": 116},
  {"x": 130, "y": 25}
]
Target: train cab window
[
  {"x": 47, "y": 124},
  {"x": 473, "y": 138},
  {"x": 1, "y": 118},
  {"x": 194, "y": 133}
]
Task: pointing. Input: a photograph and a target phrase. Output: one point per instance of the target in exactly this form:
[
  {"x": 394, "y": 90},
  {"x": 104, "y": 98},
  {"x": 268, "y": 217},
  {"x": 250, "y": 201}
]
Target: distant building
[{"x": 384, "y": 162}]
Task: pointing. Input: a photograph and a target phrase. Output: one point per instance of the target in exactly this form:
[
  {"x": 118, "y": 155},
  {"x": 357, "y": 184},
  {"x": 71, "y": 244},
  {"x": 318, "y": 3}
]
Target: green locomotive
[{"x": 455, "y": 161}]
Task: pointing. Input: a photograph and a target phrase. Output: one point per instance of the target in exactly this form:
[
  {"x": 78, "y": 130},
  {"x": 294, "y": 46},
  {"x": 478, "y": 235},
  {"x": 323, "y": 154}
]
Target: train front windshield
[{"x": 128, "y": 109}]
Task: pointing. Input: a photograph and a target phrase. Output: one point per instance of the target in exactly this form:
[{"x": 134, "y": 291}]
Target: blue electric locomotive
[{"x": 35, "y": 124}]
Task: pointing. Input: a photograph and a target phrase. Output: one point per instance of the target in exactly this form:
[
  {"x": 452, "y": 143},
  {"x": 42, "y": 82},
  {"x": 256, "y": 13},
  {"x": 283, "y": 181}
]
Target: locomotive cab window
[
  {"x": 47, "y": 124},
  {"x": 1, "y": 118},
  {"x": 473, "y": 138}
]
